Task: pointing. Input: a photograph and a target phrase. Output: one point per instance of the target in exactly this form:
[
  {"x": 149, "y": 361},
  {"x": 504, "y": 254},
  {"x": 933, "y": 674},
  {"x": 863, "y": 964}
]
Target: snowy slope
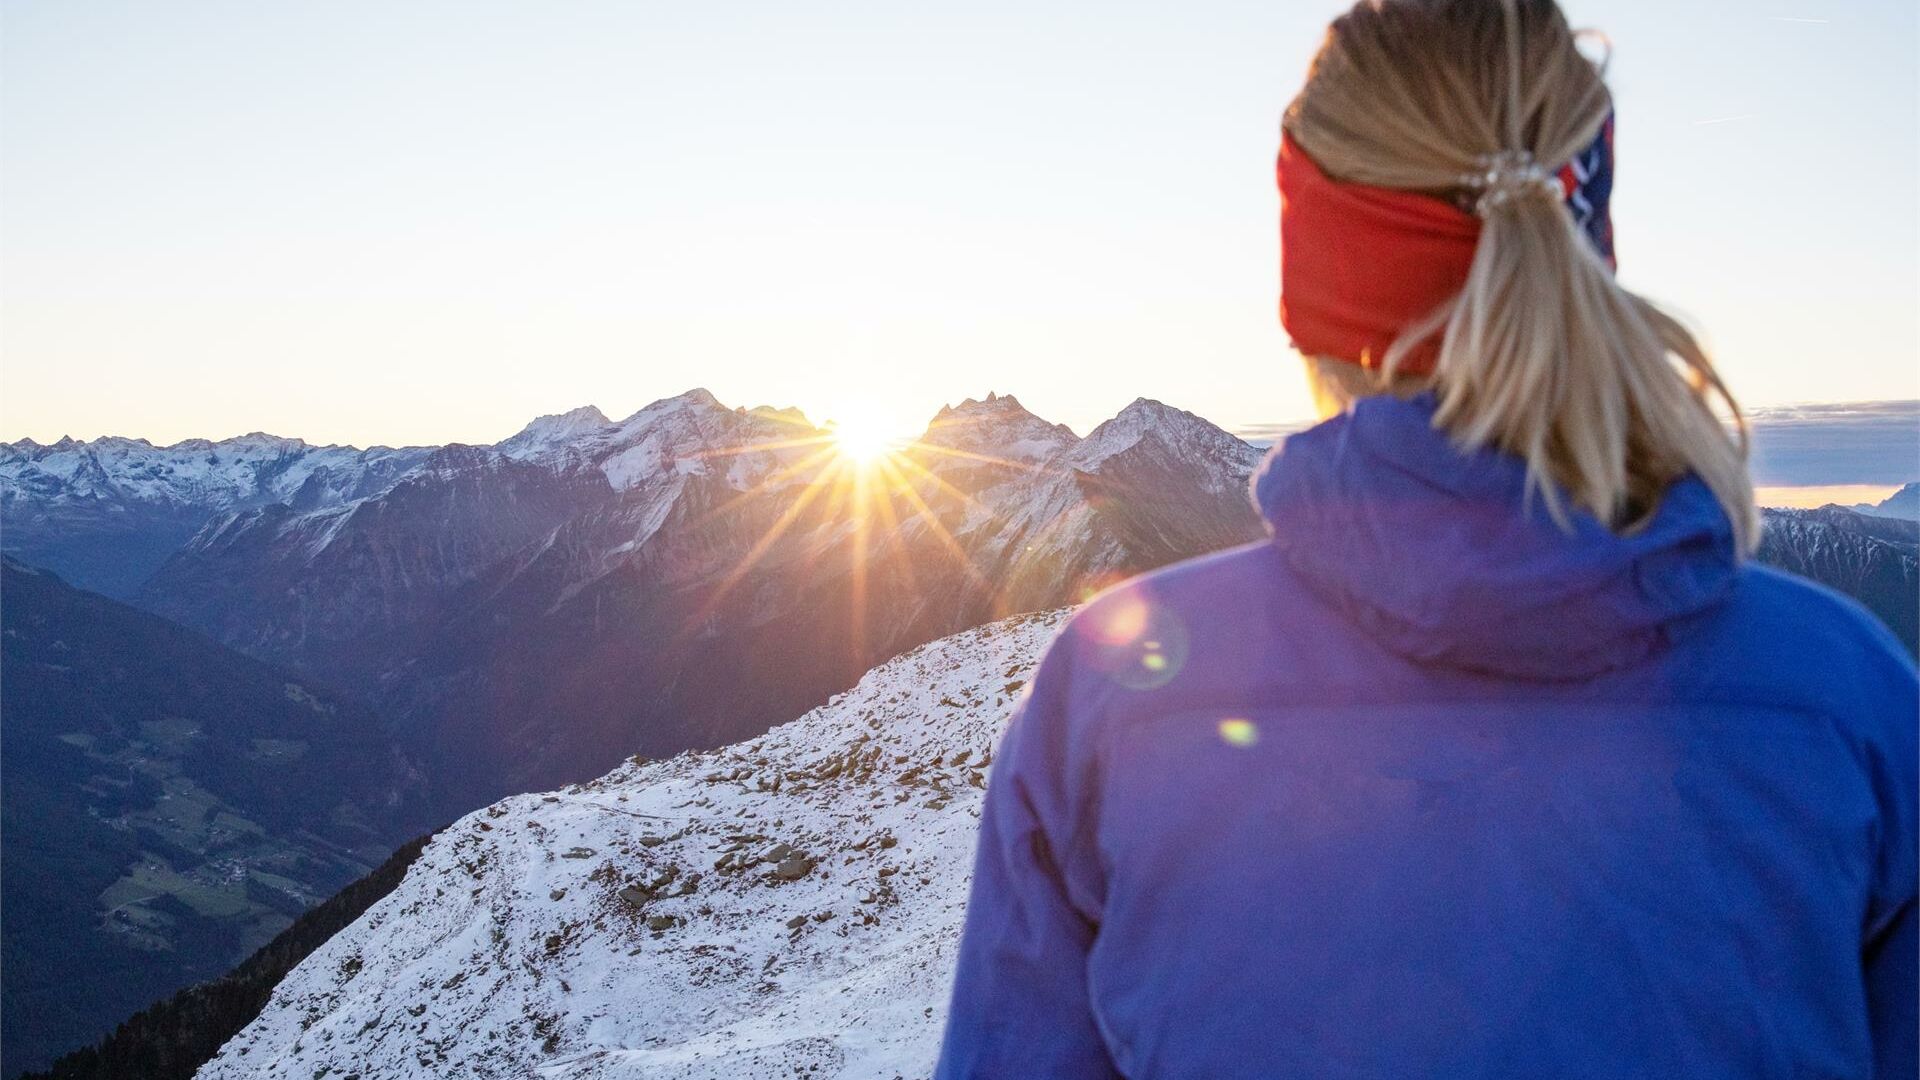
[
  {"x": 1874, "y": 559},
  {"x": 787, "y": 906}
]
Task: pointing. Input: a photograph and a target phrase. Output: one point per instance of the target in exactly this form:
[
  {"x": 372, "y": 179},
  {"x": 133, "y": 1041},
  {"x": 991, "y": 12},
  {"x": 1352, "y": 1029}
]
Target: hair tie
[{"x": 1502, "y": 177}]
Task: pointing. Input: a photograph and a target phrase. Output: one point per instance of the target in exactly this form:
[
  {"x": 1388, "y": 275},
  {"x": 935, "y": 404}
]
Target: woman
[{"x": 1497, "y": 760}]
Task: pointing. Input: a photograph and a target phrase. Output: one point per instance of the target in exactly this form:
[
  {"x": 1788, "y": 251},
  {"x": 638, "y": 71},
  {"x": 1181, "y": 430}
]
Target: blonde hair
[{"x": 1544, "y": 355}]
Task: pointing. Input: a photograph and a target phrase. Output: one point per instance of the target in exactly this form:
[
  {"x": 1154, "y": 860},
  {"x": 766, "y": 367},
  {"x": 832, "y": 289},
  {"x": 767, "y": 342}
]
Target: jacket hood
[{"x": 1441, "y": 555}]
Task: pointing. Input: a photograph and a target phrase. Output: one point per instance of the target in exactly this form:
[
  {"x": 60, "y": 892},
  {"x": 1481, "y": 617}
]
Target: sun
[{"x": 863, "y": 436}]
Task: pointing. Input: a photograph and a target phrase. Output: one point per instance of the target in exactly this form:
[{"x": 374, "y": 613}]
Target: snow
[
  {"x": 1189, "y": 437},
  {"x": 259, "y": 469},
  {"x": 545, "y": 435},
  {"x": 638, "y": 926},
  {"x": 999, "y": 428},
  {"x": 250, "y": 470},
  {"x": 683, "y": 435},
  {"x": 629, "y": 467}
]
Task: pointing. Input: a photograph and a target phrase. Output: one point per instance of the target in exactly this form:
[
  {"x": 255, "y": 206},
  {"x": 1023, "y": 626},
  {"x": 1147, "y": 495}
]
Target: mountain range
[
  {"x": 528, "y": 614},
  {"x": 531, "y": 612}
]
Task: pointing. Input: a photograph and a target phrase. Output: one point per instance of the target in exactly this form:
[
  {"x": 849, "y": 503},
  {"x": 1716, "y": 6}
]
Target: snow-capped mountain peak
[
  {"x": 694, "y": 433},
  {"x": 1182, "y": 434},
  {"x": 543, "y": 433},
  {"x": 998, "y": 425},
  {"x": 697, "y": 398}
]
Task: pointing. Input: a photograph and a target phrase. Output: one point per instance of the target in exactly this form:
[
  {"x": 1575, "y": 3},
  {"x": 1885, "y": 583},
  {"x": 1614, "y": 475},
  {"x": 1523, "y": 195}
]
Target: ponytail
[{"x": 1543, "y": 354}]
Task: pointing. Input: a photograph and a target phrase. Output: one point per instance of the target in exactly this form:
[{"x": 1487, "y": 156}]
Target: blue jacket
[{"x": 1429, "y": 786}]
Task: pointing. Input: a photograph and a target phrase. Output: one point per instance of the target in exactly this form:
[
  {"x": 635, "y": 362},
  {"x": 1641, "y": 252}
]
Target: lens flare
[
  {"x": 1237, "y": 732},
  {"x": 1140, "y": 644},
  {"x": 1121, "y": 620}
]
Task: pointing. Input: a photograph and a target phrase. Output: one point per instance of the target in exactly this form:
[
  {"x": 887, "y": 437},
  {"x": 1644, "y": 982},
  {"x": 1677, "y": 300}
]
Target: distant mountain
[
  {"x": 785, "y": 907},
  {"x": 1904, "y": 503},
  {"x": 167, "y": 805},
  {"x": 105, "y": 514},
  {"x": 531, "y": 612},
  {"x": 1875, "y": 560},
  {"x": 337, "y": 591}
]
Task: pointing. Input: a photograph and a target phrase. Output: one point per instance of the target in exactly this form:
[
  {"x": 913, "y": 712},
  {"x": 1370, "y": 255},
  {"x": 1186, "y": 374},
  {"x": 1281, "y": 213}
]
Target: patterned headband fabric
[{"x": 1359, "y": 264}]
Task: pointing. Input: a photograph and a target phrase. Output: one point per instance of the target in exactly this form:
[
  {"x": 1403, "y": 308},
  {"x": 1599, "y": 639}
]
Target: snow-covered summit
[
  {"x": 544, "y": 432},
  {"x": 998, "y": 427},
  {"x": 694, "y": 433},
  {"x": 1182, "y": 434},
  {"x": 698, "y": 398},
  {"x": 788, "y": 906}
]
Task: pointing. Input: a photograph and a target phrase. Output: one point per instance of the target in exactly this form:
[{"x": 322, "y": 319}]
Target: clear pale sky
[{"x": 429, "y": 221}]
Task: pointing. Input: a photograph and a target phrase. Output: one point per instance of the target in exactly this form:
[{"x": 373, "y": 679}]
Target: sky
[{"x": 369, "y": 222}]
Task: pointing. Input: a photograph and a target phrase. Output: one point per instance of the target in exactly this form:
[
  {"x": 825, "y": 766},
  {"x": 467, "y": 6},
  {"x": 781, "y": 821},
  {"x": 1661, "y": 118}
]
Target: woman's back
[
  {"x": 1496, "y": 760},
  {"x": 1428, "y": 786}
]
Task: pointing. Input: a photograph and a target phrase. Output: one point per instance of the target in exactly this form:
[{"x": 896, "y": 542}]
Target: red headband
[{"x": 1359, "y": 264}]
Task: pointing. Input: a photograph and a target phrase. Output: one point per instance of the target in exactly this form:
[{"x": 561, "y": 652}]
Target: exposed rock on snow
[
  {"x": 1875, "y": 560},
  {"x": 786, "y": 906}
]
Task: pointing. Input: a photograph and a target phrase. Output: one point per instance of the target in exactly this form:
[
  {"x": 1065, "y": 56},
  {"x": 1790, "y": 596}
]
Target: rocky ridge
[{"x": 785, "y": 906}]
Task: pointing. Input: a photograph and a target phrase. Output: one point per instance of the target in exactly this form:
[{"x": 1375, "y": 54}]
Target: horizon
[
  {"x": 1804, "y": 455},
  {"x": 388, "y": 226}
]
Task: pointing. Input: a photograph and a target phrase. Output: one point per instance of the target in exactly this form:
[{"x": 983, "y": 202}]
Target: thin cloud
[
  {"x": 1872, "y": 442},
  {"x": 1265, "y": 435}
]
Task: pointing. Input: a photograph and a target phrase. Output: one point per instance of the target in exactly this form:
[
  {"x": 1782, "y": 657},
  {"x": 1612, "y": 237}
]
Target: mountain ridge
[
  {"x": 1904, "y": 503},
  {"x": 789, "y": 905},
  {"x": 584, "y": 563},
  {"x": 480, "y": 586}
]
